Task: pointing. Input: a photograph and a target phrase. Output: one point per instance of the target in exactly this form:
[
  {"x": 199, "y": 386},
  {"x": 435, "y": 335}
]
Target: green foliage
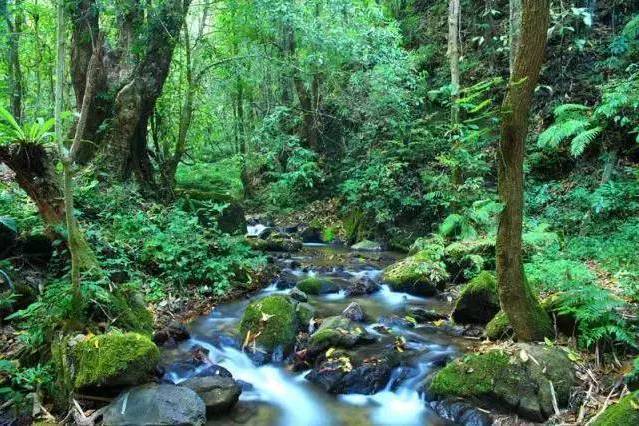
[
  {"x": 23, "y": 380},
  {"x": 38, "y": 132}
]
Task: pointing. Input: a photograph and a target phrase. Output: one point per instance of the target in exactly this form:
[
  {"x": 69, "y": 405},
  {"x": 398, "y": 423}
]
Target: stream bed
[{"x": 274, "y": 395}]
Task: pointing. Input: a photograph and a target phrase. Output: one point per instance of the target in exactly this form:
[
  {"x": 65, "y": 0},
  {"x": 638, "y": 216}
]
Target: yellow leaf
[{"x": 330, "y": 352}]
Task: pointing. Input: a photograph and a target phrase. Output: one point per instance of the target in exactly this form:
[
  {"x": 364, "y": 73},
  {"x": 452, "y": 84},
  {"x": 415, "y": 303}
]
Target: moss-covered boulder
[
  {"x": 499, "y": 327},
  {"x": 625, "y": 412},
  {"x": 367, "y": 245},
  {"x": 522, "y": 379},
  {"x": 317, "y": 286},
  {"x": 270, "y": 322},
  {"x": 129, "y": 309},
  {"x": 337, "y": 331},
  {"x": 276, "y": 242},
  {"x": 114, "y": 359},
  {"x": 418, "y": 274},
  {"x": 305, "y": 313},
  {"x": 478, "y": 301},
  {"x": 465, "y": 259}
]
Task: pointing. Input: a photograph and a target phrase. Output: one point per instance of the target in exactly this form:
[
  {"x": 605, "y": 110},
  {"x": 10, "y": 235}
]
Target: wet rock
[
  {"x": 519, "y": 379},
  {"x": 420, "y": 275},
  {"x": 299, "y": 295},
  {"x": 310, "y": 234},
  {"x": 461, "y": 413},
  {"x": 171, "y": 334},
  {"x": 317, "y": 286},
  {"x": 354, "y": 312},
  {"x": 361, "y": 287},
  {"x": 275, "y": 242},
  {"x": 390, "y": 321},
  {"x": 305, "y": 314},
  {"x": 231, "y": 220},
  {"x": 337, "y": 376},
  {"x": 367, "y": 245},
  {"x": 286, "y": 280},
  {"x": 478, "y": 302},
  {"x": 337, "y": 331},
  {"x": 219, "y": 393},
  {"x": 421, "y": 314},
  {"x": 271, "y": 322},
  {"x": 156, "y": 405}
]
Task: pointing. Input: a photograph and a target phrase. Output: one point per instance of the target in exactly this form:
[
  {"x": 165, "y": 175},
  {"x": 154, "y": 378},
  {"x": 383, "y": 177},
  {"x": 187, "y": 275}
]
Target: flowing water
[{"x": 273, "y": 395}]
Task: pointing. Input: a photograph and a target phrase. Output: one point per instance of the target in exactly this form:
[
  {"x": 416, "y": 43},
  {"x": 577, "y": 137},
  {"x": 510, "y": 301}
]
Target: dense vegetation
[{"x": 134, "y": 137}]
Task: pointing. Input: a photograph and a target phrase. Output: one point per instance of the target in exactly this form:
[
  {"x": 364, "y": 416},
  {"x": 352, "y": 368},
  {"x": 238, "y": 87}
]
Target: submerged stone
[{"x": 367, "y": 245}]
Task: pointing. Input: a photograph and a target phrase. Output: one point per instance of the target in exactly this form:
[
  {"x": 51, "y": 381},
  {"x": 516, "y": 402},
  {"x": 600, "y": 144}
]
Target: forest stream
[{"x": 274, "y": 395}]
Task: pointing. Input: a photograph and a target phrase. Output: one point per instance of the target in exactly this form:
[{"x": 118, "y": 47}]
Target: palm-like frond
[{"x": 583, "y": 139}]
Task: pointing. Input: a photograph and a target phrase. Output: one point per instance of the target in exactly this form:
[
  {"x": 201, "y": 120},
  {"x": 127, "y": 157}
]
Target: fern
[
  {"x": 560, "y": 131},
  {"x": 583, "y": 139}
]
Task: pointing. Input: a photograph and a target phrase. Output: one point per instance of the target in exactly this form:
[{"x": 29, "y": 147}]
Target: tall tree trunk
[
  {"x": 453, "y": 57},
  {"x": 14, "y": 77},
  {"x": 528, "y": 319},
  {"x": 135, "y": 73}
]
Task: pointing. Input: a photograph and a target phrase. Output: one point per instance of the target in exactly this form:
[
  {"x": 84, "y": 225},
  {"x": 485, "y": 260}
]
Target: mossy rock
[
  {"x": 433, "y": 245},
  {"x": 625, "y": 412},
  {"x": 367, "y": 245},
  {"x": 466, "y": 258},
  {"x": 129, "y": 309},
  {"x": 276, "y": 242},
  {"x": 337, "y": 331},
  {"x": 478, "y": 301},
  {"x": 520, "y": 379},
  {"x": 114, "y": 359},
  {"x": 305, "y": 313},
  {"x": 316, "y": 286},
  {"x": 499, "y": 327},
  {"x": 273, "y": 320},
  {"x": 418, "y": 274}
]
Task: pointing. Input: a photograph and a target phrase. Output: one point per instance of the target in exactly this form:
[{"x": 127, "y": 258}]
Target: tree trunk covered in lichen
[{"x": 528, "y": 319}]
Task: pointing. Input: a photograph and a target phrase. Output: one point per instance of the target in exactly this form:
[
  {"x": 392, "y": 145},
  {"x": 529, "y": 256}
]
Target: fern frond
[
  {"x": 582, "y": 140},
  {"x": 558, "y": 132}
]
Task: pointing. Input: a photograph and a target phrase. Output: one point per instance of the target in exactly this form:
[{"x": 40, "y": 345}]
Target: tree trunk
[
  {"x": 453, "y": 57},
  {"x": 528, "y": 319},
  {"x": 135, "y": 73},
  {"x": 14, "y": 77}
]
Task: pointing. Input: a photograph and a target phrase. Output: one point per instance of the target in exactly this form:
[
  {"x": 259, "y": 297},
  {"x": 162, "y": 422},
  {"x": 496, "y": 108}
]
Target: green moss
[
  {"x": 472, "y": 376},
  {"x": 498, "y": 327},
  {"x": 129, "y": 309},
  {"x": 418, "y": 274},
  {"x": 625, "y": 412},
  {"x": 316, "y": 286},
  {"x": 336, "y": 331},
  {"x": 305, "y": 313},
  {"x": 273, "y": 320},
  {"x": 485, "y": 282},
  {"x": 114, "y": 358}
]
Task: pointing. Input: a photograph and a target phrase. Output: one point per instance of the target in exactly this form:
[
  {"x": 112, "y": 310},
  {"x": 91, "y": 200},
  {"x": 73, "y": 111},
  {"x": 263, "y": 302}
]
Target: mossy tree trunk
[
  {"x": 528, "y": 319},
  {"x": 453, "y": 57}
]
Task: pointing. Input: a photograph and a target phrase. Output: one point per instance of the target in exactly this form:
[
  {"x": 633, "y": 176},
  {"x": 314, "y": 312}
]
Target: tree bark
[
  {"x": 14, "y": 77},
  {"x": 453, "y": 57},
  {"x": 526, "y": 316},
  {"x": 128, "y": 83}
]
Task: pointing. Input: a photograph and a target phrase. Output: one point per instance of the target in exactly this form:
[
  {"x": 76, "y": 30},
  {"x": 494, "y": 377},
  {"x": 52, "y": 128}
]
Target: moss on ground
[
  {"x": 114, "y": 358},
  {"x": 623, "y": 413},
  {"x": 273, "y": 320},
  {"x": 470, "y": 377}
]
